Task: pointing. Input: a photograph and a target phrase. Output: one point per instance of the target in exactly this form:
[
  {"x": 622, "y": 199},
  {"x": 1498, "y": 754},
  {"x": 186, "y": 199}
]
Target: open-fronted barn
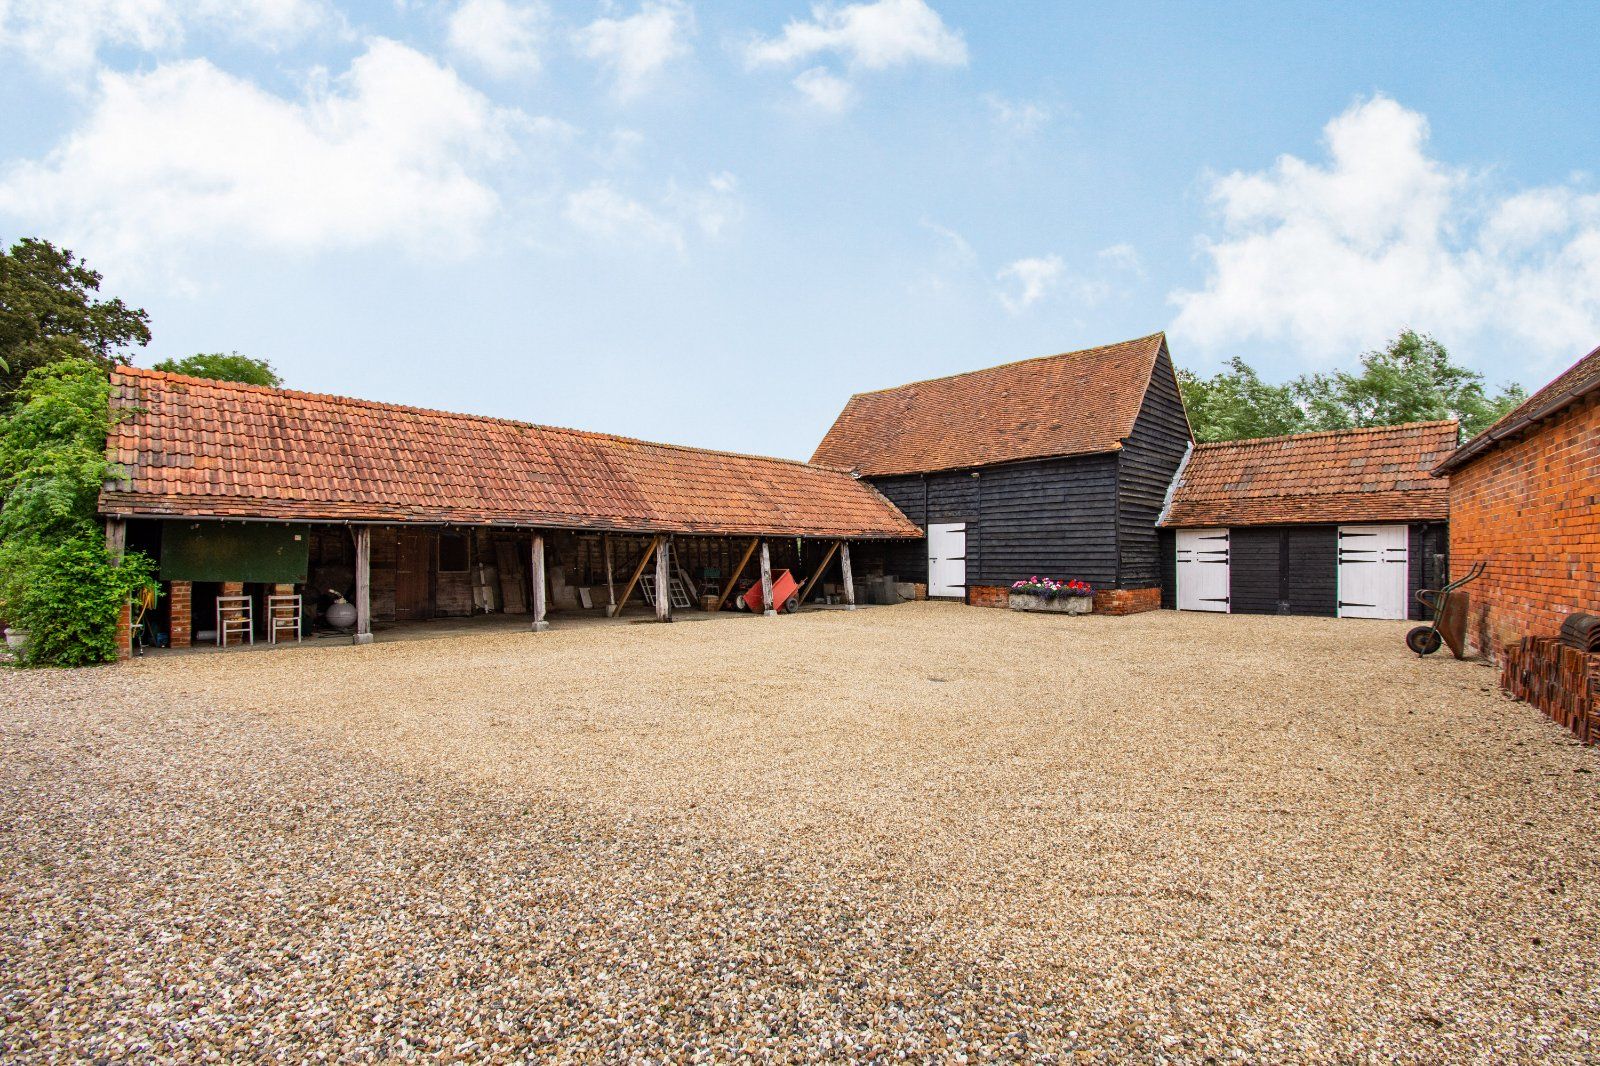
[
  {"x": 1347, "y": 523},
  {"x": 1054, "y": 466},
  {"x": 1525, "y": 502},
  {"x": 244, "y": 493}
]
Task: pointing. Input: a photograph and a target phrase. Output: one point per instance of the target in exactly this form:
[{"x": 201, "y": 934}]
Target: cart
[
  {"x": 1449, "y": 608},
  {"x": 784, "y": 598}
]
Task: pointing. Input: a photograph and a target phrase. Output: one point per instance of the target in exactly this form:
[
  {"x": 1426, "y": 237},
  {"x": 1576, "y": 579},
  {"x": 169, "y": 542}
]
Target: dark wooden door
[{"x": 413, "y": 572}]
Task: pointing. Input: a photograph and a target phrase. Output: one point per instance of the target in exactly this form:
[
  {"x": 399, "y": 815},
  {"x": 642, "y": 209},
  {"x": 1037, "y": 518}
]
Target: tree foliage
[
  {"x": 1410, "y": 380},
  {"x": 49, "y": 313},
  {"x": 222, "y": 366},
  {"x": 57, "y": 579}
]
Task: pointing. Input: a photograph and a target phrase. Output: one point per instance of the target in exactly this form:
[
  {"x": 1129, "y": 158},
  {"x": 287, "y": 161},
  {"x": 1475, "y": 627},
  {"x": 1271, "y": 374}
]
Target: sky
[{"x": 711, "y": 223}]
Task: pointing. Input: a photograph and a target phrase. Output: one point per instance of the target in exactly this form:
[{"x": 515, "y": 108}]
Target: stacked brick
[
  {"x": 1530, "y": 509},
  {"x": 180, "y": 606},
  {"x": 1561, "y": 681}
]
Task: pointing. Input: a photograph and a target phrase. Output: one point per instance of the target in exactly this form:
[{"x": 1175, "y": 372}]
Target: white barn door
[
  {"x": 1203, "y": 564},
  {"x": 947, "y": 559},
  {"x": 1373, "y": 569}
]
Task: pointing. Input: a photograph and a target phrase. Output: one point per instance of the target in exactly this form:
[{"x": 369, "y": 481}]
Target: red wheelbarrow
[
  {"x": 785, "y": 594},
  {"x": 1448, "y": 605}
]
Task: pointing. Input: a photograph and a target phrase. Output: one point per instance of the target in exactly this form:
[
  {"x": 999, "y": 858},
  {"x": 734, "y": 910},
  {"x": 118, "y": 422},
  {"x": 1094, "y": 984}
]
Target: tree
[
  {"x": 1235, "y": 404},
  {"x": 1410, "y": 380},
  {"x": 219, "y": 366},
  {"x": 49, "y": 313},
  {"x": 57, "y": 578}
]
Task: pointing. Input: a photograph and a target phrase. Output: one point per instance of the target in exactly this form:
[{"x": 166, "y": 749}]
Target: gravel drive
[{"x": 920, "y": 831}]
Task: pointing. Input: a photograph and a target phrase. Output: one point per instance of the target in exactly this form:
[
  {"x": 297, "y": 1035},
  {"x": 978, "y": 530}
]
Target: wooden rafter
[{"x": 744, "y": 561}]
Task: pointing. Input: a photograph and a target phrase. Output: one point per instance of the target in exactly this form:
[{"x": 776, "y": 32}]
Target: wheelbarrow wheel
[
  {"x": 791, "y": 605},
  {"x": 1424, "y": 640}
]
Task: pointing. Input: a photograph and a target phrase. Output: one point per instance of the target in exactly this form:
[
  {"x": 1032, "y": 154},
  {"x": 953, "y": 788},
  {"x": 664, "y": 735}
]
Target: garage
[{"x": 1347, "y": 524}]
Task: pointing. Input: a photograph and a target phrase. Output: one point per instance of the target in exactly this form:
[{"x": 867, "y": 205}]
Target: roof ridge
[
  {"x": 357, "y": 401},
  {"x": 1353, "y": 430},
  {"x": 1015, "y": 362}
]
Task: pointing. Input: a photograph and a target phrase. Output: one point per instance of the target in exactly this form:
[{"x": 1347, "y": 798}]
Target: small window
[{"x": 452, "y": 553}]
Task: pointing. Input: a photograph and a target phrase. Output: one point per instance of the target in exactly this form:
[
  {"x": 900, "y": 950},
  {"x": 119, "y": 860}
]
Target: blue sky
[{"x": 711, "y": 223}]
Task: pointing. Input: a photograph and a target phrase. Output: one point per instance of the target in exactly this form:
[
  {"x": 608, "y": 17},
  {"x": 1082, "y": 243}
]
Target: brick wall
[
  {"x": 988, "y": 595},
  {"x": 125, "y": 631},
  {"x": 1127, "y": 601},
  {"x": 180, "y": 608},
  {"x": 1530, "y": 508}
]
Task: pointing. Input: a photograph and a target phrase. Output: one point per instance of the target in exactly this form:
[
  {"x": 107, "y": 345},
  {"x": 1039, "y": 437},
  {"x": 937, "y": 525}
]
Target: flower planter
[
  {"x": 16, "y": 639},
  {"x": 1021, "y": 601}
]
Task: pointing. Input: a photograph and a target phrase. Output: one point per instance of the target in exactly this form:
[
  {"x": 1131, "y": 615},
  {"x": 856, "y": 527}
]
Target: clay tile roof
[
  {"x": 1349, "y": 475},
  {"x": 1079, "y": 403},
  {"x": 192, "y": 447},
  {"x": 1579, "y": 380}
]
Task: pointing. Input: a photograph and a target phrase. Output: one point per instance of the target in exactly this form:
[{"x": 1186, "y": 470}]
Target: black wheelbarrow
[{"x": 1448, "y": 606}]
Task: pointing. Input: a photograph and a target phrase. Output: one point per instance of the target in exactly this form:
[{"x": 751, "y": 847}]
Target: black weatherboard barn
[{"x": 1057, "y": 467}]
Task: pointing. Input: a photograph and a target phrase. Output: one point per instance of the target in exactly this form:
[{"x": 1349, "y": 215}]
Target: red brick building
[{"x": 1525, "y": 500}]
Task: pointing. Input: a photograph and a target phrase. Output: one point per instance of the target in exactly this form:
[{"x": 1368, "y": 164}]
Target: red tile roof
[
  {"x": 1350, "y": 475},
  {"x": 1079, "y": 403},
  {"x": 1578, "y": 381},
  {"x": 192, "y": 447}
]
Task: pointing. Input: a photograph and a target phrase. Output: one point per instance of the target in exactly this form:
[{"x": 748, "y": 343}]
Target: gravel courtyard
[{"x": 925, "y": 830}]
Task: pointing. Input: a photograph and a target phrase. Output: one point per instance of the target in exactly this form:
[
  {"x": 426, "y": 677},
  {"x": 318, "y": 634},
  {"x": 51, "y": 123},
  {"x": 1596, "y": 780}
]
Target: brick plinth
[
  {"x": 1127, "y": 601},
  {"x": 988, "y": 595},
  {"x": 125, "y": 632},
  {"x": 180, "y": 607},
  {"x": 1530, "y": 509}
]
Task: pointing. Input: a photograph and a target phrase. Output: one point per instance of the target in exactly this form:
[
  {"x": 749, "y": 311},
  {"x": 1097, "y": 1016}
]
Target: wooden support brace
[
  {"x": 848, "y": 578},
  {"x": 817, "y": 573},
  {"x": 611, "y": 585},
  {"x": 663, "y": 579},
  {"x": 638, "y": 571},
  {"x": 744, "y": 560}
]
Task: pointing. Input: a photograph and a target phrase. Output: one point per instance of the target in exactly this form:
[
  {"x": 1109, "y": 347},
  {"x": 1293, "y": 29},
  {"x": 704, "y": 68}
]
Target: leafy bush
[
  {"x": 220, "y": 366},
  {"x": 57, "y": 580}
]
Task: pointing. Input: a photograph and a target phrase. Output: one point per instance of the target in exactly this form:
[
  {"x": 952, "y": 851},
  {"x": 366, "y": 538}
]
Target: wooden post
[
  {"x": 821, "y": 568},
  {"x": 627, "y": 590},
  {"x": 611, "y": 587},
  {"x": 766, "y": 581},
  {"x": 538, "y": 584},
  {"x": 116, "y": 539},
  {"x": 363, "y": 585},
  {"x": 744, "y": 560},
  {"x": 848, "y": 578},
  {"x": 663, "y": 579}
]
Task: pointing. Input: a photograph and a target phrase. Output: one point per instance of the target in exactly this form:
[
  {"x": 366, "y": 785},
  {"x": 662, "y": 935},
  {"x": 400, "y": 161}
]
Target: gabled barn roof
[
  {"x": 1349, "y": 475},
  {"x": 1579, "y": 380},
  {"x": 1079, "y": 403},
  {"x": 190, "y": 447}
]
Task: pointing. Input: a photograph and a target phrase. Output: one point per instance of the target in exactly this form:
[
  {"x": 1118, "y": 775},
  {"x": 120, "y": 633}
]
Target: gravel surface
[{"x": 924, "y": 831}]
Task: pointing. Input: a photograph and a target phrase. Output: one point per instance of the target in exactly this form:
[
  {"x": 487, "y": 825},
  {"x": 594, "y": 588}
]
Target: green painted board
[{"x": 234, "y": 551}]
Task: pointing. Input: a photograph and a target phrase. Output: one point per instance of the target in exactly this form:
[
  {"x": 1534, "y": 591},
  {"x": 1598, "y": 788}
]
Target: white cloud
[
  {"x": 1336, "y": 256},
  {"x": 1122, "y": 257},
  {"x": 603, "y": 211},
  {"x": 872, "y": 36},
  {"x": 825, "y": 90},
  {"x": 1016, "y": 118},
  {"x": 501, "y": 37},
  {"x": 67, "y": 36},
  {"x": 636, "y": 48},
  {"x": 1035, "y": 278},
  {"x": 187, "y": 157}
]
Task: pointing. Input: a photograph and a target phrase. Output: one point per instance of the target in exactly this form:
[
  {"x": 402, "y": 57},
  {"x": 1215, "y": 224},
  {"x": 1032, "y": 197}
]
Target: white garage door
[
  {"x": 1372, "y": 571},
  {"x": 1202, "y": 569},
  {"x": 947, "y": 559}
]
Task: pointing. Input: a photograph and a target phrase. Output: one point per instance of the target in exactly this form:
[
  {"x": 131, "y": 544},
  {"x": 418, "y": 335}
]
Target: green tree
[
  {"x": 49, "y": 313},
  {"x": 57, "y": 579},
  {"x": 221, "y": 366},
  {"x": 1410, "y": 380},
  {"x": 1235, "y": 404}
]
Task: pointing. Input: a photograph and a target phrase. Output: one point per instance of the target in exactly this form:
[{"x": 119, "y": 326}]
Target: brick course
[
  {"x": 1127, "y": 601},
  {"x": 180, "y": 608},
  {"x": 1530, "y": 508},
  {"x": 988, "y": 595}
]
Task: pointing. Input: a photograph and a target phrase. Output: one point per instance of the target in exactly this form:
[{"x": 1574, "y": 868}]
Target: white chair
[
  {"x": 235, "y": 616},
  {"x": 283, "y": 615}
]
